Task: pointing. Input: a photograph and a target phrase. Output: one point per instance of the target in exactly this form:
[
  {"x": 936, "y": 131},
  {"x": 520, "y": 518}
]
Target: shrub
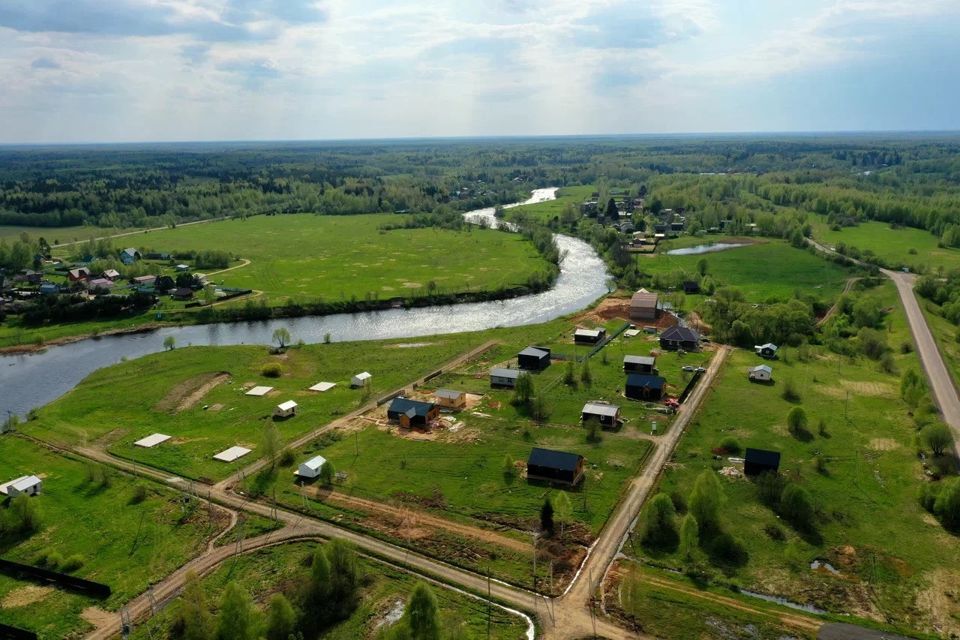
[
  {"x": 797, "y": 424},
  {"x": 790, "y": 393},
  {"x": 659, "y": 524},
  {"x": 937, "y": 436},
  {"x": 286, "y": 458},
  {"x": 796, "y": 508},
  {"x": 706, "y": 500},
  {"x": 775, "y": 533},
  {"x": 730, "y": 445},
  {"x": 724, "y": 548},
  {"x": 72, "y": 563},
  {"x": 53, "y": 560},
  {"x": 139, "y": 494},
  {"x": 769, "y": 488},
  {"x": 271, "y": 370},
  {"x": 947, "y": 504}
]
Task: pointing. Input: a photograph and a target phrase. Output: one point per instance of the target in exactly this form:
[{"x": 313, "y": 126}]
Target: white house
[
  {"x": 311, "y": 468},
  {"x": 361, "y": 379},
  {"x": 286, "y": 409},
  {"x": 761, "y": 373},
  {"x": 29, "y": 485}
]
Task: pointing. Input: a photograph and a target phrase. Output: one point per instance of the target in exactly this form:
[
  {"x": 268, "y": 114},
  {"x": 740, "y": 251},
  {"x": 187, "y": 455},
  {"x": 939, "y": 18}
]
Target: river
[{"x": 28, "y": 381}]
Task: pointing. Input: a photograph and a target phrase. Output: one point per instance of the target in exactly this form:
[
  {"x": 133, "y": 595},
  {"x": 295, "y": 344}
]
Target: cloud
[
  {"x": 44, "y": 63},
  {"x": 252, "y": 74}
]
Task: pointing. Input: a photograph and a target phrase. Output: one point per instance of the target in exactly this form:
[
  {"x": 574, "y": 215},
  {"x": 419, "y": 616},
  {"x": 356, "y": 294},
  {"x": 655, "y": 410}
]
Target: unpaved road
[{"x": 847, "y": 288}]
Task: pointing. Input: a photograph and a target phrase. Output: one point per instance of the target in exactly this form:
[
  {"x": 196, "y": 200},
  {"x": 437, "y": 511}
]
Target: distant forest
[{"x": 899, "y": 179}]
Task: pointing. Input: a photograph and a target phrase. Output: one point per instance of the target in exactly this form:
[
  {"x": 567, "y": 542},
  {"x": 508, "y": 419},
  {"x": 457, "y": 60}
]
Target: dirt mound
[
  {"x": 25, "y": 596},
  {"x": 191, "y": 391}
]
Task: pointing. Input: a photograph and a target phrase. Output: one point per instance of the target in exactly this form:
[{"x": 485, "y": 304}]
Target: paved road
[{"x": 941, "y": 383}]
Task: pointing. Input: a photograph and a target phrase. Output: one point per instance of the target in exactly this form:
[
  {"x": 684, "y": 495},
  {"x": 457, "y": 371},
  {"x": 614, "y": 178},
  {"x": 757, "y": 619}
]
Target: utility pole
[
  {"x": 489, "y": 612},
  {"x": 534, "y": 562}
]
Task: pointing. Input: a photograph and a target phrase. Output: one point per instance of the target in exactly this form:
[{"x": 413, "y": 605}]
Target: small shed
[
  {"x": 113, "y": 274},
  {"x": 259, "y": 392},
  {"x": 677, "y": 337},
  {"x": 144, "y": 280},
  {"x": 100, "y": 283},
  {"x": 182, "y": 293},
  {"x": 361, "y": 379},
  {"x": 768, "y": 351},
  {"x": 129, "y": 256},
  {"x": 588, "y": 336},
  {"x": 311, "y": 468},
  {"x": 231, "y": 454},
  {"x": 534, "y": 358},
  {"x": 29, "y": 485},
  {"x": 323, "y": 386},
  {"x": 757, "y": 461},
  {"x": 608, "y": 415},
  {"x": 79, "y": 274},
  {"x": 286, "y": 409},
  {"x": 643, "y": 305},
  {"x": 555, "y": 466},
  {"x": 760, "y": 373},
  {"x": 644, "y": 387},
  {"x": 412, "y": 413},
  {"x": 182, "y": 268},
  {"x": 501, "y": 377},
  {"x": 451, "y": 398},
  {"x": 639, "y": 364}
]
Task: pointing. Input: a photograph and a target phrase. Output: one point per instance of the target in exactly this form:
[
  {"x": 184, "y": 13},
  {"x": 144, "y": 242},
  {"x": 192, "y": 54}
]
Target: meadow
[
  {"x": 914, "y": 248},
  {"x": 765, "y": 270},
  {"x": 276, "y": 569},
  {"x": 60, "y": 235},
  {"x": 892, "y": 559},
  {"x": 547, "y": 211},
  {"x": 127, "y": 533}
]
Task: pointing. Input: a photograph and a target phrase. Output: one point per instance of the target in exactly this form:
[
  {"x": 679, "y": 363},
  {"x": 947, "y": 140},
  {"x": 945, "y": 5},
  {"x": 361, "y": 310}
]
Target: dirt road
[{"x": 847, "y": 288}]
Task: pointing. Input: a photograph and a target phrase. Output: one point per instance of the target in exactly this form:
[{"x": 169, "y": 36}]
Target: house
[
  {"x": 360, "y": 380},
  {"x": 660, "y": 229},
  {"x": 451, "y": 399},
  {"x": 757, "y": 461},
  {"x": 100, "y": 283},
  {"x": 768, "y": 351},
  {"x": 129, "y": 256},
  {"x": 78, "y": 275},
  {"x": 49, "y": 289},
  {"x": 589, "y": 336},
  {"x": 141, "y": 281},
  {"x": 112, "y": 274},
  {"x": 311, "y": 468},
  {"x": 286, "y": 409},
  {"x": 644, "y": 387},
  {"x": 639, "y": 364},
  {"x": 182, "y": 293},
  {"x": 677, "y": 337},
  {"x": 555, "y": 466},
  {"x": 677, "y": 227},
  {"x": 608, "y": 415},
  {"x": 412, "y": 413},
  {"x": 643, "y": 305},
  {"x": 534, "y": 358},
  {"x": 29, "y": 485},
  {"x": 691, "y": 286},
  {"x": 500, "y": 377},
  {"x": 761, "y": 373}
]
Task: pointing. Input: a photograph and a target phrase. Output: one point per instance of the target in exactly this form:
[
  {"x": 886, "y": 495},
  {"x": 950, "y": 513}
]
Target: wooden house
[
  {"x": 412, "y": 413},
  {"x": 639, "y": 364},
  {"x": 555, "y": 466},
  {"x": 757, "y": 461},
  {"x": 534, "y": 358},
  {"x": 644, "y": 387},
  {"x": 608, "y": 415}
]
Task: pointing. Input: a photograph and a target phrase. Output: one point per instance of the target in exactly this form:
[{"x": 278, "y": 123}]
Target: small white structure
[
  {"x": 761, "y": 373},
  {"x": 151, "y": 441},
  {"x": 231, "y": 454},
  {"x": 311, "y": 468},
  {"x": 323, "y": 386},
  {"x": 259, "y": 392},
  {"x": 768, "y": 350},
  {"x": 286, "y": 409},
  {"x": 361, "y": 379},
  {"x": 29, "y": 485},
  {"x": 631, "y": 333}
]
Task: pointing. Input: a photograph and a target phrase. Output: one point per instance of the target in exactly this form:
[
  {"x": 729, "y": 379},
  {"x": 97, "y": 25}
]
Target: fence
[
  {"x": 61, "y": 580},
  {"x": 690, "y": 386}
]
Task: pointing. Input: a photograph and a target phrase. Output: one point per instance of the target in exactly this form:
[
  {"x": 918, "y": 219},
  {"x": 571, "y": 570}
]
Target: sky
[{"x": 183, "y": 70}]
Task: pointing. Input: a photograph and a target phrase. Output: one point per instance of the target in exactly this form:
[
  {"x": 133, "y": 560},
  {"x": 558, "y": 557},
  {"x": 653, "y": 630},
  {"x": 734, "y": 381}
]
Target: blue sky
[{"x": 155, "y": 70}]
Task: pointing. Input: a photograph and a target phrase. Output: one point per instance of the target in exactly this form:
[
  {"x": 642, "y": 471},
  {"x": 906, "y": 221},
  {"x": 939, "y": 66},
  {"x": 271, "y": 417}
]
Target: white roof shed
[
  {"x": 360, "y": 379},
  {"x": 151, "y": 441},
  {"x": 323, "y": 386},
  {"x": 259, "y": 391},
  {"x": 311, "y": 468},
  {"x": 231, "y": 454},
  {"x": 29, "y": 485}
]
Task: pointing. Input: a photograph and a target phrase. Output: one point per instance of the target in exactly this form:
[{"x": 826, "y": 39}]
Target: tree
[
  {"x": 797, "y": 423},
  {"x": 237, "y": 615},
  {"x": 706, "y": 499},
  {"x": 523, "y": 389},
  {"x": 612, "y": 211},
  {"x": 344, "y": 579},
  {"x": 562, "y": 508},
  {"x": 281, "y": 618},
  {"x": 585, "y": 376},
  {"x": 659, "y": 526},
  {"x": 570, "y": 375},
  {"x": 937, "y": 436},
  {"x": 316, "y": 596},
  {"x": 327, "y": 473},
  {"x": 539, "y": 408},
  {"x": 796, "y": 508},
  {"x": 192, "y": 620},
  {"x": 702, "y": 266},
  {"x": 422, "y": 616},
  {"x": 546, "y": 516},
  {"x": 947, "y": 504},
  {"x": 689, "y": 548},
  {"x": 509, "y": 470},
  {"x": 169, "y": 343},
  {"x": 272, "y": 443},
  {"x": 281, "y": 336}
]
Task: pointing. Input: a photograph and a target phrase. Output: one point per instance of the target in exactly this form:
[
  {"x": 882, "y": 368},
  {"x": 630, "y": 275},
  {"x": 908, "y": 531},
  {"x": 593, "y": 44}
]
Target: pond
[{"x": 706, "y": 248}]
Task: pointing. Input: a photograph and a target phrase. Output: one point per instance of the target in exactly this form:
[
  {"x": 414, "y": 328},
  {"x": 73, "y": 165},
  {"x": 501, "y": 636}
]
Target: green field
[
  {"x": 123, "y": 543},
  {"x": 61, "y": 235},
  {"x": 283, "y": 568},
  {"x": 914, "y": 248},
  {"x": 765, "y": 270},
  {"x": 547, "y": 211},
  {"x": 307, "y": 257},
  {"x": 869, "y": 525}
]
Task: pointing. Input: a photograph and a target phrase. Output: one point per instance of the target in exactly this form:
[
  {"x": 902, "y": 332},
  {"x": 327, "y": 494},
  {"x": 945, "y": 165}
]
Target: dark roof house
[
  {"x": 678, "y": 337},
  {"x": 534, "y": 358},
  {"x": 757, "y": 461},
  {"x": 412, "y": 413},
  {"x": 644, "y": 387},
  {"x": 608, "y": 415},
  {"x": 639, "y": 364},
  {"x": 555, "y": 466}
]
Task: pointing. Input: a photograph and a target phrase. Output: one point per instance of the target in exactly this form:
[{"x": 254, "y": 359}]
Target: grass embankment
[
  {"x": 914, "y": 248},
  {"x": 765, "y": 270},
  {"x": 945, "y": 333},
  {"x": 125, "y": 539},
  {"x": 547, "y": 211},
  {"x": 894, "y": 562},
  {"x": 385, "y": 589}
]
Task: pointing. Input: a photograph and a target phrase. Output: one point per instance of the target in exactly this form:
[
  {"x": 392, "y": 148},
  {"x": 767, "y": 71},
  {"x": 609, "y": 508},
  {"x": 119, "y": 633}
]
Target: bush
[
  {"x": 947, "y": 504},
  {"x": 72, "y": 563},
  {"x": 730, "y": 445},
  {"x": 769, "y": 488},
  {"x": 797, "y": 424},
  {"x": 790, "y": 393},
  {"x": 937, "y": 436},
  {"x": 725, "y": 549},
  {"x": 796, "y": 508},
  {"x": 51, "y": 560},
  {"x": 139, "y": 494},
  {"x": 286, "y": 458},
  {"x": 775, "y": 533},
  {"x": 659, "y": 524},
  {"x": 271, "y": 370}
]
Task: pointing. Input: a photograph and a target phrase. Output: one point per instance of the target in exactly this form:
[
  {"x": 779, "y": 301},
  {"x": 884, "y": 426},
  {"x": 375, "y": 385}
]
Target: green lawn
[
  {"x": 894, "y": 559},
  {"x": 765, "y": 270},
  {"x": 307, "y": 257},
  {"x": 546, "y": 211},
  {"x": 61, "y": 235},
  {"x": 124, "y": 544},
  {"x": 892, "y": 245},
  {"x": 283, "y": 568}
]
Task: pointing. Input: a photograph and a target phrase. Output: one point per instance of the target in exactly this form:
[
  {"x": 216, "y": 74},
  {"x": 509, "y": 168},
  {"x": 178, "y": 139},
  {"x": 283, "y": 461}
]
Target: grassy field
[
  {"x": 124, "y": 543},
  {"x": 945, "y": 333},
  {"x": 308, "y": 257},
  {"x": 60, "y": 235},
  {"x": 546, "y": 211},
  {"x": 765, "y": 270},
  {"x": 892, "y": 245},
  {"x": 894, "y": 561},
  {"x": 281, "y": 569}
]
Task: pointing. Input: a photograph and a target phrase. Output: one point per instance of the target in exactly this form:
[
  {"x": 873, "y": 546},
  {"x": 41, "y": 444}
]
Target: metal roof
[
  {"x": 644, "y": 298},
  {"x": 500, "y": 372},
  {"x": 536, "y": 352},
  {"x": 769, "y": 345},
  {"x": 152, "y": 440},
  {"x": 593, "y": 333},
  {"x": 601, "y": 409},
  {"x": 451, "y": 394},
  {"x": 259, "y": 391},
  {"x": 231, "y": 454},
  {"x": 554, "y": 459},
  {"x": 314, "y": 463},
  {"x": 682, "y": 334},
  {"x": 410, "y": 407},
  {"x": 762, "y": 367},
  {"x": 20, "y": 484},
  {"x": 362, "y": 376},
  {"x": 287, "y": 406},
  {"x": 641, "y": 380},
  {"x": 762, "y": 456},
  {"x": 650, "y": 360},
  {"x": 323, "y": 386}
]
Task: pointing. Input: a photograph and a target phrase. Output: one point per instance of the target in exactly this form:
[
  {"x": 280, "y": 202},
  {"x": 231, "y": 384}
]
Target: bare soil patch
[
  {"x": 191, "y": 391},
  {"x": 24, "y": 596},
  {"x": 97, "y": 617},
  {"x": 941, "y": 601},
  {"x": 884, "y": 444}
]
